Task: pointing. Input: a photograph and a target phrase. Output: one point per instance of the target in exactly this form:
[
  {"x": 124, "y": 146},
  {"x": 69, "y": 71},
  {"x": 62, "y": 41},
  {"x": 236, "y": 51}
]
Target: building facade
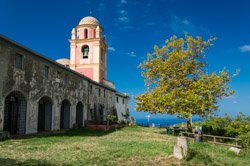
[{"x": 38, "y": 94}]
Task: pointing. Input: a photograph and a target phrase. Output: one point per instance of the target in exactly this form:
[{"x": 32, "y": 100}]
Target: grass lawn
[{"x": 127, "y": 146}]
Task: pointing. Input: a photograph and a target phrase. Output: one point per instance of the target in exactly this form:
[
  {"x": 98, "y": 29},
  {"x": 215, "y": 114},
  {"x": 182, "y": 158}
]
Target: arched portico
[
  {"x": 15, "y": 108},
  {"x": 79, "y": 114},
  {"x": 65, "y": 115},
  {"x": 44, "y": 114}
]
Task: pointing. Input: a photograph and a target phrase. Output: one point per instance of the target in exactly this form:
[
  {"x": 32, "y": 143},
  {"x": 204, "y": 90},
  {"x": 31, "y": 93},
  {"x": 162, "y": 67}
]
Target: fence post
[{"x": 214, "y": 139}]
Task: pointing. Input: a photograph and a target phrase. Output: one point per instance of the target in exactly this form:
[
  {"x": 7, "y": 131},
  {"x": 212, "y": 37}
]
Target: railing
[
  {"x": 216, "y": 139},
  {"x": 152, "y": 125}
]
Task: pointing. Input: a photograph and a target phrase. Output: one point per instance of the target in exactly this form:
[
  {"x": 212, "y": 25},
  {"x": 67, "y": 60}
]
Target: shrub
[
  {"x": 227, "y": 126},
  {"x": 245, "y": 139},
  {"x": 112, "y": 119}
]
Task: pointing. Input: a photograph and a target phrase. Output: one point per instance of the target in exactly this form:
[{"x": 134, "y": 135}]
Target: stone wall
[
  {"x": 62, "y": 83},
  {"x": 122, "y": 105}
]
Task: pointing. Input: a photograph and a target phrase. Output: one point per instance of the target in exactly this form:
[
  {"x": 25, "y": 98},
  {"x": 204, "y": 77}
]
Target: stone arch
[
  {"x": 102, "y": 113},
  {"x": 113, "y": 111},
  {"x": 65, "y": 115},
  {"x": 79, "y": 114},
  {"x": 15, "y": 108},
  {"x": 19, "y": 91},
  {"x": 44, "y": 121},
  {"x": 94, "y": 113}
]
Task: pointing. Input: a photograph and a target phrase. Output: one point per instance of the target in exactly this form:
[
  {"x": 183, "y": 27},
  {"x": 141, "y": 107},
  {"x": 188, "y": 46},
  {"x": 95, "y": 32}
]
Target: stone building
[{"x": 38, "y": 94}]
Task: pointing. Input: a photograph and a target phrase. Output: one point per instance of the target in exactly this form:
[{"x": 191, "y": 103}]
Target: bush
[
  {"x": 245, "y": 140},
  {"x": 112, "y": 119},
  {"x": 227, "y": 126}
]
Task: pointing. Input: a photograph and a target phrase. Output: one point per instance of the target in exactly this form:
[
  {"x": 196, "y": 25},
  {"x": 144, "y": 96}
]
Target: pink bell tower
[{"x": 88, "y": 50}]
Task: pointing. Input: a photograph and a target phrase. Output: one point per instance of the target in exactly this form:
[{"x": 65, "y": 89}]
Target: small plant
[
  {"x": 132, "y": 121},
  {"x": 111, "y": 118},
  {"x": 126, "y": 116}
]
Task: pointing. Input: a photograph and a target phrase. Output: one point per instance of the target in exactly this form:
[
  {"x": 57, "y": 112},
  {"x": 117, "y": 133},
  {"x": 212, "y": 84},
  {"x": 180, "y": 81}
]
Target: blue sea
[{"x": 162, "y": 122}]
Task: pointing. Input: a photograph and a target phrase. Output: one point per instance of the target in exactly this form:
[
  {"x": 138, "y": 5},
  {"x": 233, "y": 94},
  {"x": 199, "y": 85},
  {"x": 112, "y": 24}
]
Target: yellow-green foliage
[{"x": 177, "y": 82}]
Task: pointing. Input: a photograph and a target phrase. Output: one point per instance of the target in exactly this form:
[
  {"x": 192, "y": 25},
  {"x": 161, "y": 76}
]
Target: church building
[{"x": 38, "y": 94}]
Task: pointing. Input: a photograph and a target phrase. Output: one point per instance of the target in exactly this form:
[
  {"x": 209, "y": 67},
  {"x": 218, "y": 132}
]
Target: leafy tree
[{"x": 177, "y": 80}]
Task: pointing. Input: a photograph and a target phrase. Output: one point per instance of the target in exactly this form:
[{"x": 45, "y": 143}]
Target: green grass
[{"x": 127, "y": 146}]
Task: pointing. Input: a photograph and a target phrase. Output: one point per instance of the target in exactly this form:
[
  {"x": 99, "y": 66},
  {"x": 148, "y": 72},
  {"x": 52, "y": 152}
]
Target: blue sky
[{"x": 132, "y": 28}]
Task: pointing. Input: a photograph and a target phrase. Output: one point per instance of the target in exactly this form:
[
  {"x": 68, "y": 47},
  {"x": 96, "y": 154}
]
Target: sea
[{"x": 160, "y": 122}]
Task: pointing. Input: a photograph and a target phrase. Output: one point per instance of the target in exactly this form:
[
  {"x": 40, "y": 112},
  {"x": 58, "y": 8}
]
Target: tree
[{"x": 177, "y": 80}]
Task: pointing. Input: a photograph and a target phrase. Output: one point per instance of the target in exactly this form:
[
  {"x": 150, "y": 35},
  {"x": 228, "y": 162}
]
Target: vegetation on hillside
[
  {"x": 238, "y": 126},
  {"x": 178, "y": 82}
]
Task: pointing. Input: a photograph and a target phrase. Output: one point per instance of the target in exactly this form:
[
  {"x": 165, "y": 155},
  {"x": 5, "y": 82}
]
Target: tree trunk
[{"x": 189, "y": 126}]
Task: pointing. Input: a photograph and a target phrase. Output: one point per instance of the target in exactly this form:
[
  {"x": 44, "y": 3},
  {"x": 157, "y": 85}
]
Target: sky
[{"x": 132, "y": 28}]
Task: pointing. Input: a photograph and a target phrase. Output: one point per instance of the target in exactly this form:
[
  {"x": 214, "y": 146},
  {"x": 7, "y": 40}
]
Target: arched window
[
  {"x": 101, "y": 54},
  {"x": 94, "y": 33},
  {"x": 85, "y": 51},
  {"x": 86, "y": 33}
]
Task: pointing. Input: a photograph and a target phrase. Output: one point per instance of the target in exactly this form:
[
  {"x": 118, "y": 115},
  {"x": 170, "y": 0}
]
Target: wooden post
[{"x": 214, "y": 139}]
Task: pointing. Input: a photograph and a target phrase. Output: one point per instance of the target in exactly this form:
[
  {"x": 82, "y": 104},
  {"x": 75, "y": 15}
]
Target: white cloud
[
  {"x": 101, "y": 7},
  {"x": 123, "y": 12},
  {"x": 123, "y": 19},
  {"x": 132, "y": 53},
  {"x": 182, "y": 25},
  {"x": 124, "y": 1},
  {"x": 126, "y": 27},
  {"x": 123, "y": 16},
  {"x": 186, "y": 22},
  {"x": 230, "y": 97},
  {"x": 235, "y": 102},
  {"x": 111, "y": 49},
  {"x": 245, "y": 48},
  {"x": 150, "y": 24}
]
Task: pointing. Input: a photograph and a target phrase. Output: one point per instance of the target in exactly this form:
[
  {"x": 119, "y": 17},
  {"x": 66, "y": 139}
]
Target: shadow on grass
[
  {"x": 33, "y": 162},
  {"x": 68, "y": 133},
  {"x": 199, "y": 156}
]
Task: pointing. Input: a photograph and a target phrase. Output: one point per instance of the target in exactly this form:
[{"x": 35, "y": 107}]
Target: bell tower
[{"x": 88, "y": 50}]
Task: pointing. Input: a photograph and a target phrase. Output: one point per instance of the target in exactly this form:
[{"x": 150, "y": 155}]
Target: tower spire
[{"x": 88, "y": 49}]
